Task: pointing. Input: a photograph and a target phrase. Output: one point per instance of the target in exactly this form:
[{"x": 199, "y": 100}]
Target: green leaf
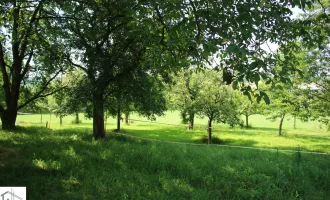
[
  {"x": 235, "y": 85},
  {"x": 265, "y": 97}
]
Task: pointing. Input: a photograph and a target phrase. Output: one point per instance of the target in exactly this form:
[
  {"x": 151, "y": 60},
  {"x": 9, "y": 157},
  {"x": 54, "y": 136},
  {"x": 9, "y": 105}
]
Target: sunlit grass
[
  {"x": 69, "y": 164},
  {"x": 308, "y": 136}
]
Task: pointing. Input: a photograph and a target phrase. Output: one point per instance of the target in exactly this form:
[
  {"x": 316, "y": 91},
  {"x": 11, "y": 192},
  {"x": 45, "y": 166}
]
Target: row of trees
[{"x": 124, "y": 51}]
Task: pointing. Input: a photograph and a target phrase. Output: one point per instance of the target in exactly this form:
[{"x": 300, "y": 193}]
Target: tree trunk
[
  {"x": 40, "y": 117},
  {"x": 98, "y": 116},
  {"x": 50, "y": 119},
  {"x": 281, "y": 123},
  {"x": 61, "y": 121},
  {"x": 118, "y": 119},
  {"x": 247, "y": 120},
  {"x": 8, "y": 119},
  {"x": 77, "y": 118},
  {"x": 191, "y": 120},
  {"x": 294, "y": 122},
  {"x": 126, "y": 117},
  {"x": 209, "y": 128}
]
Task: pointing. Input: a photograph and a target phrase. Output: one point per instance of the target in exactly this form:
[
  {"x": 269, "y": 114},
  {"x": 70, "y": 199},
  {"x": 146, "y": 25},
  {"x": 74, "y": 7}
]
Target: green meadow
[
  {"x": 64, "y": 162},
  {"x": 308, "y": 136}
]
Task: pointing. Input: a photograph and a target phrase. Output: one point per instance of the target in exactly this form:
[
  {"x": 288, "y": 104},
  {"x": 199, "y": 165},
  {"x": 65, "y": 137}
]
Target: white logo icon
[{"x": 12, "y": 193}]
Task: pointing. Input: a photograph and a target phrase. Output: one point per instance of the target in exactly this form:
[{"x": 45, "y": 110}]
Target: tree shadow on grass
[{"x": 267, "y": 129}]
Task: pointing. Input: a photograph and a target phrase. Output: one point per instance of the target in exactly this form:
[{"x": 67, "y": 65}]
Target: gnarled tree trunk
[{"x": 8, "y": 119}]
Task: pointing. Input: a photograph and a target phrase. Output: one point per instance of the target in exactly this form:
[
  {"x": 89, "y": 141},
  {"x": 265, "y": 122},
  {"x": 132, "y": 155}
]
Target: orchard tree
[
  {"x": 184, "y": 93},
  {"x": 317, "y": 82},
  {"x": 216, "y": 102},
  {"x": 109, "y": 42},
  {"x": 287, "y": 100},
  {"x": 30, "y": 55},
  {"x": 74, "y": 98},
  {"x": 316, "y": 59},
  {"x": 168, "y": 35},
  {"x": 248, "y": 107},
  {"x": 138, "y": 91}
]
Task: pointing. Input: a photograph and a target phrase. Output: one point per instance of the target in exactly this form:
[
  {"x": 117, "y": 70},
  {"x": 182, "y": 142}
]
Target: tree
[
  {"x": 216, "y": 102},
  {"x": 28, "y": 50},
  {"x": 183, "y": 94},
  {"x": 315, "y": 59},
  {"x": 118, "y": 49},
  {"x": 317, "y": 82},
  {"x": 142, "y": 94},
  {"x": 248, "y": 107},
  {"x": 168, "y": 35},
  {"x": 287, "y": 100}
]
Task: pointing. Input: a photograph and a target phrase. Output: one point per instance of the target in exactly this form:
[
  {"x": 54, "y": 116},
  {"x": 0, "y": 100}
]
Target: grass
[
  {"x": 308, "y": 136},
  {"x": 68, "y": 164}
]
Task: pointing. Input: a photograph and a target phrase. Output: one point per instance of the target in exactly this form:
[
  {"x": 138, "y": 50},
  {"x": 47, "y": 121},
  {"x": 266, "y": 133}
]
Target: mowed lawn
[
  {"x": 66, "y": 163},
  {"x": 308, "y": 136}
]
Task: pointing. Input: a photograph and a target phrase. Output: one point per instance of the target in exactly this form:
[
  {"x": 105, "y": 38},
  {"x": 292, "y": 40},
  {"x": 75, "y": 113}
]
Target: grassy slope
[
  {"x": 67, "y": 164},
  {"x": 308, "y": 136}
]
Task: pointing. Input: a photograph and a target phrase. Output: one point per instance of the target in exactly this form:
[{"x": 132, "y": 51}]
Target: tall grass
[{"x": 68, "y": 164}]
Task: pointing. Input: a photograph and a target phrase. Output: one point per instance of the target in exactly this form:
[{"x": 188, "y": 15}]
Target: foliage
[
  {"x": 137, "y": 92},
  {"x": 317, "y": 81},
  {"x": 217, "y": 100},
  {"x": 30, "y": 55},
  {"x": 247, "y": 107},
  {"x": 184, "y": 92}
]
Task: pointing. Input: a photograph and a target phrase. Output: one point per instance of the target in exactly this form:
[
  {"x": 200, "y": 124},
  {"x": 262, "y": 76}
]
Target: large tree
[
  {"x": 109, "y": 41},
  {"x": 30, "y": 57},
  {"x": 169, "y": 34}
]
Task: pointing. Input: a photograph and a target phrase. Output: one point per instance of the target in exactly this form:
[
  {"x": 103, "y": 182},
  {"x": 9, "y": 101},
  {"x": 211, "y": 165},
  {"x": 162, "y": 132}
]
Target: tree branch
[
  {"x": 196, "y": 19},
  {"x": 161, "y": 21},
  {"x": 29, "y": 29},
  {"x": 106, "y": 35},
  {"x": 27, "y": 65},
  {"x": 14, "y": 34},
  {"x": 57, "y": 17},
  {"x": 76, "y": 65},
  {"x": 322, "y": 98},
  {"x": 77, "y": 31},
  {"x": 322, "y": 86},
  {"x": 6, "y": 83},
  {"x": 38, "y": 94}
]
